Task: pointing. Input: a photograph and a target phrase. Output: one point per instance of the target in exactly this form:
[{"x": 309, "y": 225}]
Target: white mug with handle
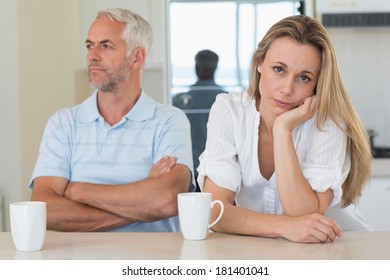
[{"x": 194, "y": 214}]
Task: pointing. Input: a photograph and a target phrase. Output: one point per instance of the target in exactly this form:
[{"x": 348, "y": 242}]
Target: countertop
[{"x": 172, "y": 246}]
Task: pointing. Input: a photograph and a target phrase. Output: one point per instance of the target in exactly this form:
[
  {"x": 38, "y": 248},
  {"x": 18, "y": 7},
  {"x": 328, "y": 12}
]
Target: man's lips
[{"x": 94, "y": 69}]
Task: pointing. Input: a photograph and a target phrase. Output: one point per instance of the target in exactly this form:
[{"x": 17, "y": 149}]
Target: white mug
[
  {"x": 28, "y": 225},
  {"x": 194, "y": 214}
]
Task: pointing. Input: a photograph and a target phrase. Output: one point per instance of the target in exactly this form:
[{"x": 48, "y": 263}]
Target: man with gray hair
[{"x": 118, "y": 160}]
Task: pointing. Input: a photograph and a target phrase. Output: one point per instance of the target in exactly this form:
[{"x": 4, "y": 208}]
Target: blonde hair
[{"x": 333, "y": 100}]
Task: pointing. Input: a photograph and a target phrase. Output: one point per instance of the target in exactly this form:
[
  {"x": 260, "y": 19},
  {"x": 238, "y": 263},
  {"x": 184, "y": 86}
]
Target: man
[
  {"x": 118, "y": 160},
  {"x": 196, "y": 103}
]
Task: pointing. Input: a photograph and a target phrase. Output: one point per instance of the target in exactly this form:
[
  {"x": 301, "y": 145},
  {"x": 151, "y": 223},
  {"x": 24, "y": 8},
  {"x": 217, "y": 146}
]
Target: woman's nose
[{"x": 288, "y": 84}]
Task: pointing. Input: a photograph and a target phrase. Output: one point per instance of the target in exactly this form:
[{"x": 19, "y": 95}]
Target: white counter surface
[{"x": 172, "y": 246}]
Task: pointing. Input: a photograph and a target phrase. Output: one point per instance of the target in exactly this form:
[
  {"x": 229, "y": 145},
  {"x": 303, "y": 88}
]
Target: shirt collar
[{"x": 143, "y": 109}]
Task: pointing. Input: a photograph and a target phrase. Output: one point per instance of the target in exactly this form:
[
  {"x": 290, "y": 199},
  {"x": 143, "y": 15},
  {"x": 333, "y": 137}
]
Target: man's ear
[{"x": 138, "y": 56}]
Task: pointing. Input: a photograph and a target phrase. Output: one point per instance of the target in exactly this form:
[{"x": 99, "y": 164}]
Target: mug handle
[{"x": 220, "y": 213}]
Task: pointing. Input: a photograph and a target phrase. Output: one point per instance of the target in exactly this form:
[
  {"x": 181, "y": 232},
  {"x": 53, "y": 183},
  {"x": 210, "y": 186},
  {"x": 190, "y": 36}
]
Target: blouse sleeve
[
  {"x": 327, "y": 161},
  {"x": 219, "y": 160}
]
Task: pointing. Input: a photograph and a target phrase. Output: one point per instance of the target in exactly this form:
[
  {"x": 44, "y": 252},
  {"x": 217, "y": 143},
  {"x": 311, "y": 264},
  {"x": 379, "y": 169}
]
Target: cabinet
[{"x": 374, "y": 204}]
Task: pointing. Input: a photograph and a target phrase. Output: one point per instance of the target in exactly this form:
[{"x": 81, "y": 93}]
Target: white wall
[
  {"x": 43, "y": 70},
  {"x": 364, "y": 58},
  {"x": 10, "y": 183}
]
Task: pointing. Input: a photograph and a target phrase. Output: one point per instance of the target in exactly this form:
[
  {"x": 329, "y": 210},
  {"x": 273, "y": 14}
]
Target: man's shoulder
[
  {"x": 168, "y": 111},
  {"x": 83, "y": 111},
  {"x": 64, "y": 113}
]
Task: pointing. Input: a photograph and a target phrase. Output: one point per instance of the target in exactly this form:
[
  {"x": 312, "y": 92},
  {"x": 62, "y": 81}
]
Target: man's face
[{"x": 107, "y": 64}]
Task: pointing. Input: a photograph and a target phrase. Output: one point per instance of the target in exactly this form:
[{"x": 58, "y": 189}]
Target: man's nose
[{"x": 93, "y": 54}]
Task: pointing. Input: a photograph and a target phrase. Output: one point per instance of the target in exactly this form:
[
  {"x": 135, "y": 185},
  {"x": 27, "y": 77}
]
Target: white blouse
[{"x": 230, "y": 159}]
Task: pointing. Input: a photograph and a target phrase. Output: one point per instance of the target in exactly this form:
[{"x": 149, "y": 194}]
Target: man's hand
[{"x": 161, "y": 167}]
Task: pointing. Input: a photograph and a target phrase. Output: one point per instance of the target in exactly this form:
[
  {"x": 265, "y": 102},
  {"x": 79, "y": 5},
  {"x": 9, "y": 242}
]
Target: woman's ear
[{"x": 259, "y": 67}]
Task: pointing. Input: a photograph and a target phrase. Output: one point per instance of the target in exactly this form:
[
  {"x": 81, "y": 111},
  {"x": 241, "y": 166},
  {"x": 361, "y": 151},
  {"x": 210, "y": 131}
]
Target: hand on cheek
[{"x": 292, "y": 118}]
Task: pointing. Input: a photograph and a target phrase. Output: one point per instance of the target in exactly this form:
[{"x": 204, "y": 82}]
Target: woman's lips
[{"x": 282, "y": 104}]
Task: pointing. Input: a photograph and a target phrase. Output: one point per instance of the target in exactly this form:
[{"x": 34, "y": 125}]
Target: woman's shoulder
[
  {"x": 329, "y": 127},
  {"x": 235, "y": 99}
]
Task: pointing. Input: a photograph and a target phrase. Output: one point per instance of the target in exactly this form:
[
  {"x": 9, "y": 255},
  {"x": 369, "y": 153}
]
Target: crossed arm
[{"x": 78, "y": 206}]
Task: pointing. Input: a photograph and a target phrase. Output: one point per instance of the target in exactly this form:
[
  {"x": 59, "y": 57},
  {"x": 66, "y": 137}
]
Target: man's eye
[{"x": 105, "y": 46}]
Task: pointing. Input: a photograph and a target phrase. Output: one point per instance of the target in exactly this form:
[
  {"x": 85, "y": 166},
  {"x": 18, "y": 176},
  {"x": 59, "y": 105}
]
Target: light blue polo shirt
[{"x": 80, "y": 146}]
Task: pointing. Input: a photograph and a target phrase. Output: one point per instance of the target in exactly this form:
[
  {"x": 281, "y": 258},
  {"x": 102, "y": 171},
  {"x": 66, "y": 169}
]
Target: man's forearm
[
  {"x": 147, "y": 200},
  {"x": 79, "y": 217}
]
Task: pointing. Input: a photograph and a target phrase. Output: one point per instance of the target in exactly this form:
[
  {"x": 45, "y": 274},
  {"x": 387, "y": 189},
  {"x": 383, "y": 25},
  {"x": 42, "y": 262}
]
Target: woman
[{"x": 291, "y": 148}]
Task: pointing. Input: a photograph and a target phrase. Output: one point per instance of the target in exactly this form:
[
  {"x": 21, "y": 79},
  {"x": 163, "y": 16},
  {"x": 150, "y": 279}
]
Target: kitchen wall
[
  {"x": 39, "y": 53},
  {"x": 364, "y": 58},
  {"x": 9, "y": 112}
]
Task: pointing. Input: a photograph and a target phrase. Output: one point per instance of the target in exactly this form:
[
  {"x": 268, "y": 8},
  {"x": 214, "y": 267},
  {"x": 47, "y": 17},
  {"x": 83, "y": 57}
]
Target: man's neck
[{"x": 113, "y": 106}]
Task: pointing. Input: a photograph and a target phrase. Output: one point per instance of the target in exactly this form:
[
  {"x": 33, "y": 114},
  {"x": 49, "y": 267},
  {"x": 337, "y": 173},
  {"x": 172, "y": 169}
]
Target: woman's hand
[
  {"x": 304, "y": 111},
  {"x": 312, "y": 228}
]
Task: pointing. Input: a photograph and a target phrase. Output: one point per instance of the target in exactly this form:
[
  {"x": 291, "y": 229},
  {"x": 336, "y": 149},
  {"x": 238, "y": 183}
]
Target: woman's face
[{"x": 289, "y": 74}]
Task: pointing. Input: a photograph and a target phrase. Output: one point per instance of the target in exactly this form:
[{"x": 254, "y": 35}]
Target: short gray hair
[{"x": 137, "y": 33}]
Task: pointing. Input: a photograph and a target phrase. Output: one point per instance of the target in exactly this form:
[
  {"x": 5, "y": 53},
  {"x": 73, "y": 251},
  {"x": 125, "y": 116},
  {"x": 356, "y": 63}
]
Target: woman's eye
[
  {"x": 278, "y": 69},
  {"x": 304, "y": 78}
]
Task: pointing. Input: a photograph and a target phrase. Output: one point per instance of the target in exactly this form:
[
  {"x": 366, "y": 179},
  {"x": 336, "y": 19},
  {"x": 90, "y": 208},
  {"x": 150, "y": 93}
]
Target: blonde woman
[{"x": 289, "y": 157}]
